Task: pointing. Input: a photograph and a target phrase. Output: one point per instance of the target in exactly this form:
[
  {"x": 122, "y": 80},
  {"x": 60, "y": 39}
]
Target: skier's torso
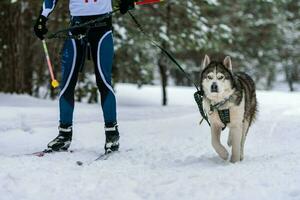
[{"x": 80, "y": 7}]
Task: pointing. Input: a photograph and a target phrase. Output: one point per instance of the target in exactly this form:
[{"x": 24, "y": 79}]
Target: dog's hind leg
[
  {"x": 216, "y": 142},
  {"x": 245, "y": 131},
  {"x": 237, "y": 133}
]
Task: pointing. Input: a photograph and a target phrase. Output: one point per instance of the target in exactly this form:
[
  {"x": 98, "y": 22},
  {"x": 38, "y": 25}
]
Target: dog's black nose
[{"x": 214, "y": 87}]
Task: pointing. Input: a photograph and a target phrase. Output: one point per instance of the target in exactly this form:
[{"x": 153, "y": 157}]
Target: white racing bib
[
  {"x": 80, "y": 7},
  {"x": 89, "y": 7}
]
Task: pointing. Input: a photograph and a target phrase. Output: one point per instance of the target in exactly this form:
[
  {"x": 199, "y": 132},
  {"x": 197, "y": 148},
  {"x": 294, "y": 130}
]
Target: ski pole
[
  {"x": 144, "y": 2},
  {"x": 140, "y": 3},
  {"x": 54, "y": 82}
]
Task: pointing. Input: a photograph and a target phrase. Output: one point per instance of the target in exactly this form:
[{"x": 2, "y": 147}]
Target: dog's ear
[
  {"x": 227, "y": 63},
  {"x": 205, "y": 62}
]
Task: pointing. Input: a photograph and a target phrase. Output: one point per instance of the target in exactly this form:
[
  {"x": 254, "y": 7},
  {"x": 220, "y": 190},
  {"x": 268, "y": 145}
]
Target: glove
[
  {"x": 126, "y": 5},
  {"x": 40, "y": 28}
]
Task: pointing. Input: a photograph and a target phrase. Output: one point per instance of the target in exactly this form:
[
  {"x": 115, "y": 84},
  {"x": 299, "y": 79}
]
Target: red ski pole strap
[{"x": 144, "y": 2}]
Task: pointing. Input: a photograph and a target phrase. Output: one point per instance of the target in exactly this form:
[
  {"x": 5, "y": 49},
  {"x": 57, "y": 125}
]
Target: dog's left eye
[{"x": 220, "y": 77}]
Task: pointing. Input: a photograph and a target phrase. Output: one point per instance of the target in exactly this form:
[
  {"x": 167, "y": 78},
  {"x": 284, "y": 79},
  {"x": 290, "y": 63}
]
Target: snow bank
[{"x": 164, "y": 155}]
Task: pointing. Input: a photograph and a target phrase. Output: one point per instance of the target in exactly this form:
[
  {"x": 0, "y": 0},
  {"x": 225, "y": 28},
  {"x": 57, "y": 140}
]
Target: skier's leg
[
  {"x": 103, "y": 51},
  {"x": 71, "y": 60},
  {"x": 103, "y": 69}
]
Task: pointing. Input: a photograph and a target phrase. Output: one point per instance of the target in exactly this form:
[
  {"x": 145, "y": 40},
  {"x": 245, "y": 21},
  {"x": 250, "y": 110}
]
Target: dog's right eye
[{"x": 209, "y": 77}]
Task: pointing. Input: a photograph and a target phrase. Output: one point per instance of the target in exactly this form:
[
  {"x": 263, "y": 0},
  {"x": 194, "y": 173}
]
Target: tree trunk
[
  {"x": 289, "y": 78},
  {"x": 270, "y": 78},
  {"x": 164, "y": 78},
  {"x": 162, "y": 64},
  {"x": 17, "y": 57}
]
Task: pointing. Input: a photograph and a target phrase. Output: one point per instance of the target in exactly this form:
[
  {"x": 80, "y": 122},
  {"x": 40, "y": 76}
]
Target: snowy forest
[{"x": 261, "y": 36}]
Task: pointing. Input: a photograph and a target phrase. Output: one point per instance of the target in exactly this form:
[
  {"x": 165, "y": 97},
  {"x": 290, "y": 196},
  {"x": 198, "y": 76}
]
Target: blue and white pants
[{"x": 73, "y": 57}]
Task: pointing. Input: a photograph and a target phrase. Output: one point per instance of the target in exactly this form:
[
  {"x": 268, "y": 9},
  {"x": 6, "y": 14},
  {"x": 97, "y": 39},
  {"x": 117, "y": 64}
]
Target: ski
[
  {"x": 102, "y": 157},
  {"x": 105, "y": 156},
  {"x": 45, "y": 152},
  {"x": 38, "y": 153}
]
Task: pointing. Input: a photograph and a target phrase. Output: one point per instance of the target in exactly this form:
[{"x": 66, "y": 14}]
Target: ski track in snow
[{"x": 171, "y": 156}]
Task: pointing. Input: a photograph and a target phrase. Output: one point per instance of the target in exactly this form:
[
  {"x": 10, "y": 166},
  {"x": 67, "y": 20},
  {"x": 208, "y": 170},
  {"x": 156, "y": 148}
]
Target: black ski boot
[
  {"x": 63, "y": 141},
  {"x": 112, "y": 138}
]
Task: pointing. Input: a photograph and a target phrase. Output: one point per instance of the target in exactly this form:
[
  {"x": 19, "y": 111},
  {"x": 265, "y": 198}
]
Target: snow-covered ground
[{"x": 165, "y": 154}]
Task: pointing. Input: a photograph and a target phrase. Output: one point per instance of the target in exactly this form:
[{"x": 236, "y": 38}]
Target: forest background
[{"x": 261, "y": 36}]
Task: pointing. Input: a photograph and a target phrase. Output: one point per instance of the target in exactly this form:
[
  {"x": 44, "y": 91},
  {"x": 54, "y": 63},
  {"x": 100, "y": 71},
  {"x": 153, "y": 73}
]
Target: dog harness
[
  {"x": 223, "y": 114},
  {"x": 80, "y": 7}
]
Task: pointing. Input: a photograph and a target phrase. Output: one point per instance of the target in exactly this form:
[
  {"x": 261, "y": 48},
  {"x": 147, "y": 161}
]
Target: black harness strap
[
  {"x": 198, "y": 96},
  {"x": 64, "y": 33}
]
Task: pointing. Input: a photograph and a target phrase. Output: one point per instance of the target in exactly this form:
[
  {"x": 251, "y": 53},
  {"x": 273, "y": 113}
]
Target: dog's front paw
[
  {"x": 223, "y": 153},
  {"x": 242, "y": 157},
  {"x": 235, "y": 159}
]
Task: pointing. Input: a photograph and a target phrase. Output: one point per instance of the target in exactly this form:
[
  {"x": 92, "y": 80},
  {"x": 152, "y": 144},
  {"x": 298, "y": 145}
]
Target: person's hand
[
  {"x": 40, "y": 28},
  {"x": 126, "y": 5}
]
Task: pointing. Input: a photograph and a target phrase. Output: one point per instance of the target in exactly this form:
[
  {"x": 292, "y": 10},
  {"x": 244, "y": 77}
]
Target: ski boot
[
  {"x": 112, "y": 138},
  {"x": 63, "y": 141}
]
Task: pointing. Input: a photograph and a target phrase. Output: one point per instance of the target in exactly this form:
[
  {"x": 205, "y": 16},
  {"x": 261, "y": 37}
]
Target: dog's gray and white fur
[{"x": 237, "y": 92}]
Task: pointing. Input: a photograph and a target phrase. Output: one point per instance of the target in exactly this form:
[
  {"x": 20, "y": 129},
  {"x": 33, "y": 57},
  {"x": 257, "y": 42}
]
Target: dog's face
[{"x": 216, "y": 79}]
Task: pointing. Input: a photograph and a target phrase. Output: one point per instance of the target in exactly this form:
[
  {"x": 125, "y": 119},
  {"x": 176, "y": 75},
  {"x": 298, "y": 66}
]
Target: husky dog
[{"x": 229, "y": 100}]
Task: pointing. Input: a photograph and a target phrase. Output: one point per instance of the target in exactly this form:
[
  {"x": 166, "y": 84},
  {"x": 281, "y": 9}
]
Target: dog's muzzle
[{"x": 214, "y": 87}]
